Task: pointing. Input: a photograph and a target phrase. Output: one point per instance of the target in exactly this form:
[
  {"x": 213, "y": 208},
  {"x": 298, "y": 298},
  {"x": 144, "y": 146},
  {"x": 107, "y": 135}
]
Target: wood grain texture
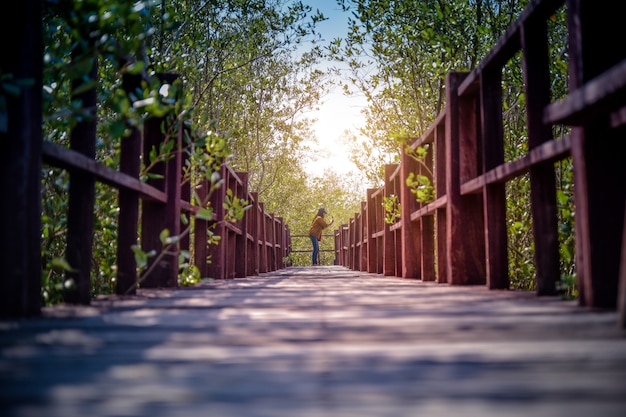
[{"x": 316, "y": 341}]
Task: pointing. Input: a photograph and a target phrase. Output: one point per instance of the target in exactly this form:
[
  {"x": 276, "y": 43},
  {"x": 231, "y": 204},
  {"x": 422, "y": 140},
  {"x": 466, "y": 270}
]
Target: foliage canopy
[{"x": 249, "y": 73}]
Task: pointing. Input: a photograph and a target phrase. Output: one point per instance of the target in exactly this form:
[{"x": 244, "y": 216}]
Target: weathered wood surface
[{"x": 322, "y": 341}]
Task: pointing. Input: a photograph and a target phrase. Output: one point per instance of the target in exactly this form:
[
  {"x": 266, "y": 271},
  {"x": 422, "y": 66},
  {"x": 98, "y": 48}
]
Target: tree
[
  {"x": 399, "y": 53},
  {"x": 242, "y": 80},
  {"x": 239, "y": 58}
]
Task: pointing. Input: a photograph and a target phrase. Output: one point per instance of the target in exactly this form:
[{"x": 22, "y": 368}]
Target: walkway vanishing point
[{"x": 323, "y": 341}]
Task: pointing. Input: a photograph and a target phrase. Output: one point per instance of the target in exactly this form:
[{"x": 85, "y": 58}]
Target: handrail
[
  {"x": 461, "y": 237},
  {"x": 259, "y": 242},
  {"x": 328, "y": 235}
]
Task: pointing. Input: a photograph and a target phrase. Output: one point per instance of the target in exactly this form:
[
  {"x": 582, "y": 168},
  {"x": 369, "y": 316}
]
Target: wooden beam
[
  {"x": 82, "y": 189},
  {"x": 363, "y": 265},
  {"x": 156, "y": 216},
  {"x": 410, "y": 233},
  {"x": 241, "y": 254},
  {"x": 173, "y": 179},
  {"x": 20, "y": 162},
  {"x": 547, "y": 152},
  {"x": 389, "y": 257},
  {"x": 464, "y": 222},
  {"x": 601, "y": 94},
  {"x": 542, "y": 175},
  {"x": 597, "y": 154},
  {"x": 61, "y": 157},
  {"x": 128, "y": 200},
  {"x": 494, "y": 195}
]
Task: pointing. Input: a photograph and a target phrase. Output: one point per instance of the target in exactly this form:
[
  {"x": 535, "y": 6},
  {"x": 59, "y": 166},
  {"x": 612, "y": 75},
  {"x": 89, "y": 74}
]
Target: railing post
[
  {"x": 542, "y": 177},
  {"x": 253, "y": 230},
  {"x": 242, "y": 240},
  {"x": 217, "y": 268},
  {"x": 128, "y": 200},
  {"x": 350, "y": 245},
  {"x": 263, "y": 239},
  {"x": 155, "y": 215},
  {"x": 428, "y": 225},
  {"x": 598, "y": 156},
  {"x": 494, "y": 195},
  {"x": 370, "y": 219},
  {"x": 173, "y": 191},
  {"x": 440, "y": 190},
  {"x": 20, "y": 163},
  {"x": 185, "y": 195},
  {"x": 398, "y": 226},
  {"x": 336, "y": 240},
  {"x": 287, "y": 249},
  {"x": 282, "y": 241},
  {"x": 354, "y": 240},
  {"x": 389, "y": 258},
  {"x": 364, "y": 240},
  {"x": 465, "y": 239},
  {"x": 357, "y": 241},
  {"x": 339, "y": 246},
  {"x": 82, "y": 190},
  {"x": 200, "y": 238},
  {"x": 410, "y": 233},
  {"x": 380, "y": 226},
  {"x": 342, "y": 245},
  {"x": 272, "y": 242}
]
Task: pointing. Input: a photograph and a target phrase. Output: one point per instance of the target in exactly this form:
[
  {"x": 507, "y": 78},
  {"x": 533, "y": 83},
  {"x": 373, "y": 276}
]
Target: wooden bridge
[
  {"x": 416, "y": 317},
  {"x": 460, "y": 238},
  {"x": 316, "y": 341}
]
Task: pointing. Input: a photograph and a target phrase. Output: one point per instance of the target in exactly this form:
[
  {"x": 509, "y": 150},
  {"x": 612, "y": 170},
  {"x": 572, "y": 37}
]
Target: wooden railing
[
  {"x": 461, "y": 237},
  {"x": 257, "y": 243}
]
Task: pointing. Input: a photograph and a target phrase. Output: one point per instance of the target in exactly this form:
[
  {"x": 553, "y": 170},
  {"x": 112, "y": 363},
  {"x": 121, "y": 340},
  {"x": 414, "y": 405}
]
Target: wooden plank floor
[{"x": 322, "y": 341}]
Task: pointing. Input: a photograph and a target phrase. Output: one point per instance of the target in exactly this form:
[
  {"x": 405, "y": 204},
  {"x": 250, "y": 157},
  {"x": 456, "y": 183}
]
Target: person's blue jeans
[{"x": 316, "y": 250}]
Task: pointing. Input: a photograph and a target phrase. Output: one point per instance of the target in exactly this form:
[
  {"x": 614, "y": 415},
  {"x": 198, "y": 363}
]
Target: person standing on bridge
[{"x": 315, "y": 233}]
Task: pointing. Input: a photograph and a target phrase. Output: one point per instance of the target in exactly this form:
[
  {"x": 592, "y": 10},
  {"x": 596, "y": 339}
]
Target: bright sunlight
[{"x": 337, "y": 113}]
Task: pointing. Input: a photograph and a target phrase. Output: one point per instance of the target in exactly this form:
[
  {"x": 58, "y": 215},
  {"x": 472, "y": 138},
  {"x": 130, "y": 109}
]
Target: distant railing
[
  {"x": 461, "y": 237},
  {"x": 258, "y": 243},
  {"x": 300, "y": 247}
]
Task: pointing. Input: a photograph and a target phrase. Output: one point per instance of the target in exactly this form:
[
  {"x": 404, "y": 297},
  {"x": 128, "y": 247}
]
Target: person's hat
[{"x": 323, "y": 210}]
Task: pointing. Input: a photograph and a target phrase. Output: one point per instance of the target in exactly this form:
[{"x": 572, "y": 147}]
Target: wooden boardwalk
[{"x": 323, "y": 341}]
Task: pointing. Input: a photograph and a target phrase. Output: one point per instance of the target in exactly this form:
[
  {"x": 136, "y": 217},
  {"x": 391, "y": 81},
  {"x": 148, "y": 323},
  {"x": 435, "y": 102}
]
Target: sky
[{"x": 337, "y": 113}]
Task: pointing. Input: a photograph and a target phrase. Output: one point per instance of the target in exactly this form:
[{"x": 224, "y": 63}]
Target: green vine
[
  {"x": 234, "y": 208},
  {"x": 420, "y": 184},
  {"x": 189, "y": 274},
  {"x": 392, "y": 209}
]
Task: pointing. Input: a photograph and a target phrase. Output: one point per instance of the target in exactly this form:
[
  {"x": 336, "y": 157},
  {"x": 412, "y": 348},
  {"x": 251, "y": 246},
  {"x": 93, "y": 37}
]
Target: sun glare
[{"x": 336, "y": 115}]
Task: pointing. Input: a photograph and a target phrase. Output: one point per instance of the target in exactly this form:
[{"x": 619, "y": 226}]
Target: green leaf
[
  {"x": 141, "y": 257},
  {"x": 164, "y": 235},
  {"x": 205, "y": 214},
  {"x": 84, "y": 87},
  {"x": 62, "y": 264},
  {"x": 172, "y": 240},
  {"x": 116, "y": 129}
]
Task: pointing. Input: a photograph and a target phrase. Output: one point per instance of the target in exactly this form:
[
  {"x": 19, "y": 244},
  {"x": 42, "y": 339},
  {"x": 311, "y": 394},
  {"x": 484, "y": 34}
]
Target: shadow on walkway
[{"x": 315, "y": 341}]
